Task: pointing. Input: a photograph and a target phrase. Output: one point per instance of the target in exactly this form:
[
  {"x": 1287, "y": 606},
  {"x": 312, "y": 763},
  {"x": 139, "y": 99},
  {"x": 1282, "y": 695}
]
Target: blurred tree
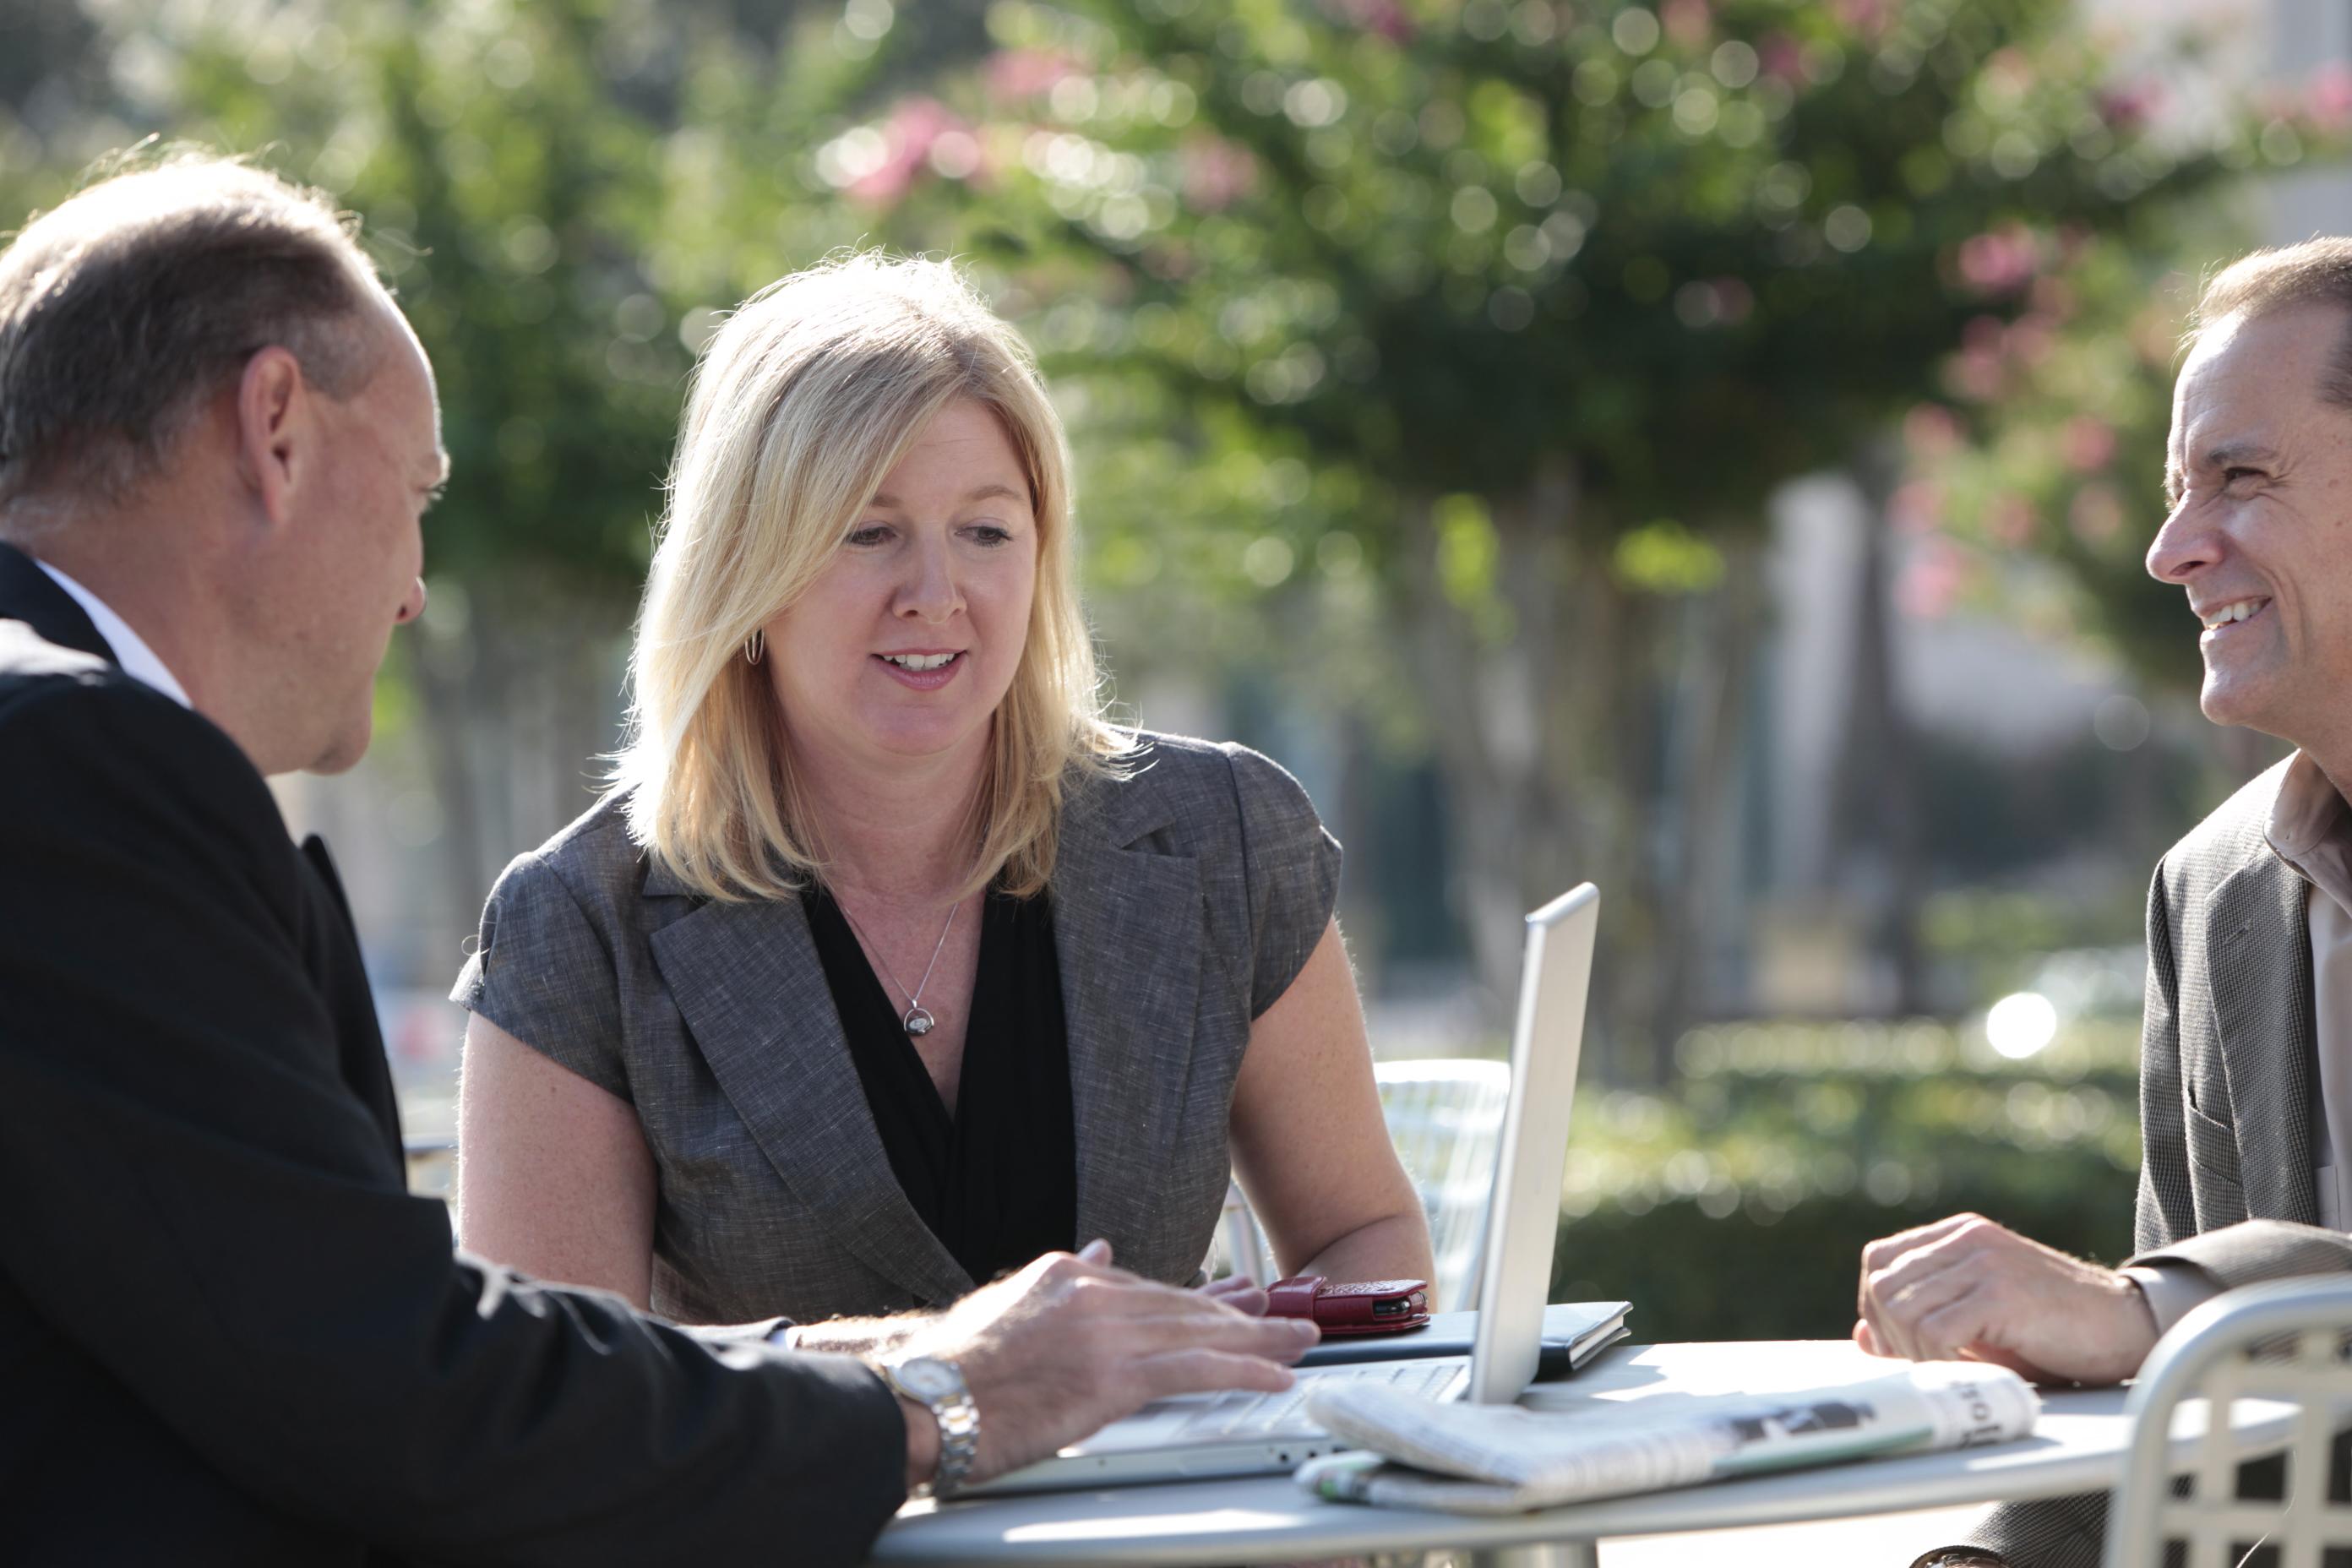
[
  {"x": 1543, "y": 300},
  {"x": 1469, "y": 334}
]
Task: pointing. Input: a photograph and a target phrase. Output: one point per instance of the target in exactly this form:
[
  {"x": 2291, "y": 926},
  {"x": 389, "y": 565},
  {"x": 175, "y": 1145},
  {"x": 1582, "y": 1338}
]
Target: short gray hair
[
  {"x": 127, "y": 306},
  {"x": 2317, "y": 272}
]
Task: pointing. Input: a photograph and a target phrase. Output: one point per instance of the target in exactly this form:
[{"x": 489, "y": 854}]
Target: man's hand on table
[
  {"x": 1965, "y": 1288},
  {"x": 1070, "y": 1344},
  {"x": 1240, "y": 1292}
]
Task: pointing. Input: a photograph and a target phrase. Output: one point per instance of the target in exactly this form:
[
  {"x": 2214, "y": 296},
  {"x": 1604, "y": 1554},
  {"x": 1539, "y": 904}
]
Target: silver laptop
[{"x": 1244, "y": 1433}]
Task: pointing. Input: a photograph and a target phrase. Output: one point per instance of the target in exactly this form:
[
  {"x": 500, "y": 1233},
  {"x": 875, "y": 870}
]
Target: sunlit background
[{"x": 1702, "y": 448}]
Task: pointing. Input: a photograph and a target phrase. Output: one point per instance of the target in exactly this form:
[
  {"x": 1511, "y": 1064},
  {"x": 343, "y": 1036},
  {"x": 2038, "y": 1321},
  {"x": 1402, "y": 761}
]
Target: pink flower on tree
[
  {"x": 2030, "y": 340},
  {"x": 1687, "y": 22},
  {"x": 1930, "y": 579},
  {"x": 1978, "y": 373},
  {"x": 2089, "y": 443},
  {"x": 1386, "y": 17},
  {"x": 1998, "y": 261},
  {"x": 1782, "y": 58},
  {"x": 1016, "y": 76},
  {"x": 1916, "y": 508},
  {"x": 2096, "y": 514},
  {"x": 917, "y": 127},
  {"x": 2328, "y": 95},
  {"x": 1215, "y": 172},
  {"x": 1868, "y": 18},
  {"x": 1976, "y": 376},
  {"x": 2010, "y": 71},
  {"x": 2128, "y": 106},
  {"x": 1932, "y": 430},
  {"x": 2008, "y": 519}
]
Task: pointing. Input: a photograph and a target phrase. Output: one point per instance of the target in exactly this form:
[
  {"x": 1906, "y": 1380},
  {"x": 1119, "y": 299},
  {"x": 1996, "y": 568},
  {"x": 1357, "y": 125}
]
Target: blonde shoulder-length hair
[{"x": 805, "y": 399}]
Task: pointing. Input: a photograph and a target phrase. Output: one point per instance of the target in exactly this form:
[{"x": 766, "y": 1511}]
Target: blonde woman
[{"x": 888, "y": 964}]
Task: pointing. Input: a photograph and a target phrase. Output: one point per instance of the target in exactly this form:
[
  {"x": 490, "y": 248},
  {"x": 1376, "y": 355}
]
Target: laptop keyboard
[{"x": 1243, "y": 1414}]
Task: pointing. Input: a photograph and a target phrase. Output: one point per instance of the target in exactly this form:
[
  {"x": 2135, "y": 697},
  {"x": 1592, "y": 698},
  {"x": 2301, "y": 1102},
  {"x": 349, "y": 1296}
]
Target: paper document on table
[{"x": 1499, "y": 1458}]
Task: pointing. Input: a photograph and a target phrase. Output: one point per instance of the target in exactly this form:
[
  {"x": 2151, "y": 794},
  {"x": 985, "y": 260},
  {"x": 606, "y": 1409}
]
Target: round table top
[{"x": 2077, "y": 1446}]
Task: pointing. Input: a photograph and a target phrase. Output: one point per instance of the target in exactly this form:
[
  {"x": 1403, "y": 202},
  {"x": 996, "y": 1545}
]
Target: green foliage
[
  {"x": 1665, "y": 557},
  {"x": 1738, "y": 1209},
  {"x": 1405, "y": 250},
  {"x": 2047, "y": 447},
  {"x": 1514, "y": 283},
  {"x": 1694, "y": 251}
]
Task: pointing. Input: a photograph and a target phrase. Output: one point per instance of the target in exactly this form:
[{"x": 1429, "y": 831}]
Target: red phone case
[{"x": 1364, "y": 1307}]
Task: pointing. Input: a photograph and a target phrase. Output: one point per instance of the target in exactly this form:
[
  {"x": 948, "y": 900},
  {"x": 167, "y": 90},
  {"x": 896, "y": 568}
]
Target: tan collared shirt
[{"x": 2311, "y": 830}]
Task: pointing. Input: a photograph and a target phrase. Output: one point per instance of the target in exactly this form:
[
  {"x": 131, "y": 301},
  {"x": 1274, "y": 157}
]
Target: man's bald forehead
[{"x": 124, "y": 307}]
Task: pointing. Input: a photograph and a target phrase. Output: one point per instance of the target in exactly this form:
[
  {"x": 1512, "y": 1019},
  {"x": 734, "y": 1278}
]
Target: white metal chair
[
  {"x": 1446, "y": 1116},
  {"x": 2288, "y": 1341}
]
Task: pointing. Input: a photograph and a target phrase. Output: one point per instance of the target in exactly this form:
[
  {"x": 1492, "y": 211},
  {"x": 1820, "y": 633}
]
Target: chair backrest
[
  {"x": 1446, "y": 1116},
  {"x": 2285, "y": 1342}
]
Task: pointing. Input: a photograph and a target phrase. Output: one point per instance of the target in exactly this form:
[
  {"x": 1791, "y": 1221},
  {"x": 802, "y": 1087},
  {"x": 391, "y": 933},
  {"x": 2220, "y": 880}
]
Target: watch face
[{"x": 927, "y": 1379}]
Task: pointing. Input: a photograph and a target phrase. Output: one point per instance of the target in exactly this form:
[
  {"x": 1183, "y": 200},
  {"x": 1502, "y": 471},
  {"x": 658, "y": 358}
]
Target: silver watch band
[
  {"x": 938, "y": 1387},
  {"x": 959, "y": 1419}
]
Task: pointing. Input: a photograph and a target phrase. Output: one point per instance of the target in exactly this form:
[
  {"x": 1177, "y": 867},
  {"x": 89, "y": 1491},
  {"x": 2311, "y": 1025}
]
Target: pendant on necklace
[{"x": 918, "y": 1021}]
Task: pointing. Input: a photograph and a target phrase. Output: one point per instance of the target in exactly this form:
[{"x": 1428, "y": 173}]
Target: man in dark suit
[
  {"x": 227, "y": 1333},
  {"x": 2246, "y": 1043}
]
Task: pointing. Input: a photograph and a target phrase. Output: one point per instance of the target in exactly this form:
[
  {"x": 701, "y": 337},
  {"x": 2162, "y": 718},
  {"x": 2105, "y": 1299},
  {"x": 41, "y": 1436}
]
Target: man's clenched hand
[
  {"x": 1070, "y": 1344},
  {"x": 1968, "y": 1288}
]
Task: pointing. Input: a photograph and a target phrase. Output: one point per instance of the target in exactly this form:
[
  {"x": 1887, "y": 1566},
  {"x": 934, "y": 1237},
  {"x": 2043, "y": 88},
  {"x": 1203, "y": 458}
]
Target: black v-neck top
[{"x": 996, "y": 1182}]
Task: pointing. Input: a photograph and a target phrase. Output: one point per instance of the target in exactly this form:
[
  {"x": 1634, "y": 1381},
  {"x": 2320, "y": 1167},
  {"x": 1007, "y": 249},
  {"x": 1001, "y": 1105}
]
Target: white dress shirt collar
[{"x": 131, "y": 650}]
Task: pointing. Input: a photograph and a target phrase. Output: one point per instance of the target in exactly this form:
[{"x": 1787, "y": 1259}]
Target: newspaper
[{"x": 1488, "y": 1458}]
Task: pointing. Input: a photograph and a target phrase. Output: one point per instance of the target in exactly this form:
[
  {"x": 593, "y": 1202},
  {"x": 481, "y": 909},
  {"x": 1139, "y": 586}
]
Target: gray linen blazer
[
  {"x": 1186, "y": 897},
  {"x": 2228, "y": 1087}
]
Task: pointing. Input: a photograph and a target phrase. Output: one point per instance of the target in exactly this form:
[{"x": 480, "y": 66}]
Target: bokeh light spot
[{"x": 2021, "y": 1024}]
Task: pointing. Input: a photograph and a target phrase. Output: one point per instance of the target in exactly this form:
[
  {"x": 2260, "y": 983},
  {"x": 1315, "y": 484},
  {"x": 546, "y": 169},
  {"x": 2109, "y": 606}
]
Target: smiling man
[{"x": 2246, "y": 1041}]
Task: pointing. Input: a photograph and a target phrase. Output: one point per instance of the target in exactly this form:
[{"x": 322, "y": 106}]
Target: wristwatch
[{"x": 939, "y": 1386}]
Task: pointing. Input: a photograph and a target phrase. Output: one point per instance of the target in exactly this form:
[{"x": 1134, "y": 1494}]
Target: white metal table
[{"x": 2077, "y": 1446}]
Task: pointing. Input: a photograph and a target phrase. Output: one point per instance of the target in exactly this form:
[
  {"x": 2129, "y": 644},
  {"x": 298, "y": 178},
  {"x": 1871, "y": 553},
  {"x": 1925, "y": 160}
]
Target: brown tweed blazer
[{"x": 2229, "y": 1078}]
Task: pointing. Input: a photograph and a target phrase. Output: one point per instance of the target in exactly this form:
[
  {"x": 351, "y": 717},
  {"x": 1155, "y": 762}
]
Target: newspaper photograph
[{"x": 1418, "y": 1453}]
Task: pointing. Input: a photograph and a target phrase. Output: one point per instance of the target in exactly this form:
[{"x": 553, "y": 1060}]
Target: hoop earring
[{"x": 754, "y": 646}]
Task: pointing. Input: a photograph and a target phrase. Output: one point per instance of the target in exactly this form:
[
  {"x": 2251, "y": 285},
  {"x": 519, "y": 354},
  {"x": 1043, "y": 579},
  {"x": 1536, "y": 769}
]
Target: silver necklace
[{"x": 917, "y": 1020}]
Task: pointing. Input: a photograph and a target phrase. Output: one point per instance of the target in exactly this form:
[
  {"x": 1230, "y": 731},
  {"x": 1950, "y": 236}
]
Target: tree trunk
[
  {"x": 1530, "y": 725},
  {"x": 1697, "y": 874},
  {"x": 517, "y": 715},
  {"x": 1879, "y": 788}
]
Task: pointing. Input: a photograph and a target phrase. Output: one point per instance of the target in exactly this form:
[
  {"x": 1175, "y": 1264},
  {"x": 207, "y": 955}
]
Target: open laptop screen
[{"x": 1523, "y": 1221}]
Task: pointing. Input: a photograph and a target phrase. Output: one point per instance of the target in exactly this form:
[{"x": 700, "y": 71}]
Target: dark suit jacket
[
  {"x": 227, "y": 1333},
  {"x": 2228, "y": 1082}
]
